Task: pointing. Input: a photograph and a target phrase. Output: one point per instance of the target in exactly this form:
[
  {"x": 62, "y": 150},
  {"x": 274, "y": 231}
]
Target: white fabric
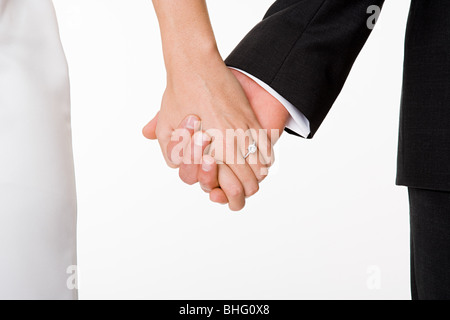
[
  {"x": 297, "y": 121},
  {"x": 37, "y": 185}
]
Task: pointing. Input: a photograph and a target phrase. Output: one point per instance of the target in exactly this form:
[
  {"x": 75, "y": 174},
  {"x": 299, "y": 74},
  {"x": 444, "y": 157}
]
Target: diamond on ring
[{"x": 251, "y": 149}]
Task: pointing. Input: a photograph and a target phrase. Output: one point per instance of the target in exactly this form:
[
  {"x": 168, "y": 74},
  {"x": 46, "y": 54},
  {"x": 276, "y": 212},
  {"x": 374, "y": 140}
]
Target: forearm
[{"x": 187, "y": 36}]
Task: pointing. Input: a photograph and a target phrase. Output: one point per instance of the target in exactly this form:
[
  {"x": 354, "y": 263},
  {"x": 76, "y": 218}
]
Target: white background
[{"x": 328, "y": 213}]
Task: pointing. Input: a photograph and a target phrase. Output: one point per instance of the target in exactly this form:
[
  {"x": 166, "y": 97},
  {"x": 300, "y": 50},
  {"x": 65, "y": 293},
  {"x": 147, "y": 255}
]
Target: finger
[
  {"x": 181, "y": 138},
  {"x": 218, "y": 196},
  {"x": 208, "y": 174},
  {"x": 259, "y": 168},
  {"x": 247, "y": 178},
  {"x": 232, "y": 188},
  {"x": 242, "y": 169},
  {"x": 262, "y": 158},
  {"x": 208, "y": 178},
  {"x": 192, "y": 159},
  {"x": 265, "y": 143},
  {"x": 149, "y": 131},
  {"x": 164, "y": 133}
]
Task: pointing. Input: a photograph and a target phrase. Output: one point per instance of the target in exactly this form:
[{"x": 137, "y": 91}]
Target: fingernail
[
  {"x": 207, "y": 190},
  {"x": 192, "y": 122},
  {"x": 207, "y": 163}
]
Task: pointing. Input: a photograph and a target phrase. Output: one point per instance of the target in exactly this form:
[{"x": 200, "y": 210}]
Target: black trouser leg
[{"x": 430, "y": 244}]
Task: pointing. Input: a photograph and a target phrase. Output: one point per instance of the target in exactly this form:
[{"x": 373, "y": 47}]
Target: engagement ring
[{"x": 251, "y": 149}]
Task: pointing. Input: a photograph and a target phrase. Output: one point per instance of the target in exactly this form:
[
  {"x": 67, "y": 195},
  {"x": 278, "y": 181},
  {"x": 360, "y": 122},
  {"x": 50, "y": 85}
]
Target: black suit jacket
[{"x": 304, "y": 49}]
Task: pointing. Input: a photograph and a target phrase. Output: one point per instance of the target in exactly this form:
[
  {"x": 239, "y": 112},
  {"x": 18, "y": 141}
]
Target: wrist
[
  {"x": 190, "y": 58},
  {"x": 186, "y": 68}
]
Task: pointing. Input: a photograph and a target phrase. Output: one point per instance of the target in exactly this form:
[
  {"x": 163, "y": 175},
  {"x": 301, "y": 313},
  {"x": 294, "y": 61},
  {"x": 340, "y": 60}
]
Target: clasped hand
[{"x": 206, "y": 125}]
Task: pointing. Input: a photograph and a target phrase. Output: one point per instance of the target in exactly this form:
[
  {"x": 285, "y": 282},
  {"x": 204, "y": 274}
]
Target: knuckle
[{"x": 235, "y": 191}]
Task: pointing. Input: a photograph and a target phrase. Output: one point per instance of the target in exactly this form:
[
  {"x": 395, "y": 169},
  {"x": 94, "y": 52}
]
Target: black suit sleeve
[{"x": 304, "y": 49}]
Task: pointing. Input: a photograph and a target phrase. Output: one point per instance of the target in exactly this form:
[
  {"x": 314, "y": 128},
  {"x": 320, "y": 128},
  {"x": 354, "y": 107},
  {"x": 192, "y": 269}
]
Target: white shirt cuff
[{"x": 297, "y": 121}]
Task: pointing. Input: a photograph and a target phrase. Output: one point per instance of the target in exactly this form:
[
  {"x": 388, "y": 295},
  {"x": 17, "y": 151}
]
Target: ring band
[{"x": 251, "y": 150}]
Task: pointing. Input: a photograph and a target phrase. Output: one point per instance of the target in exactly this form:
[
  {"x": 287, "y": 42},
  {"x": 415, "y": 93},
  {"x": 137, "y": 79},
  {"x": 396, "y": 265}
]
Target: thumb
[{"x": 149, "y": 130}]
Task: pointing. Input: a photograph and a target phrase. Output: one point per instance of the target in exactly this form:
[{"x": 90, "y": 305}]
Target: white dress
[{"x": 37, "y": 185}]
